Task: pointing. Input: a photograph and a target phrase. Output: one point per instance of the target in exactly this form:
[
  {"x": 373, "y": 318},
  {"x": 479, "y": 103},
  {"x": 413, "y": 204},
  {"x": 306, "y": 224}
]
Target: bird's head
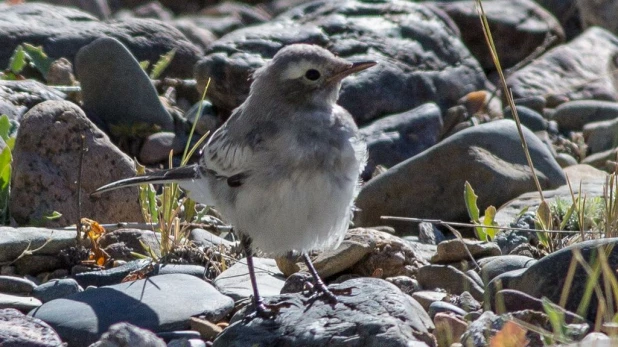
[{"x": 305, "y": 73}]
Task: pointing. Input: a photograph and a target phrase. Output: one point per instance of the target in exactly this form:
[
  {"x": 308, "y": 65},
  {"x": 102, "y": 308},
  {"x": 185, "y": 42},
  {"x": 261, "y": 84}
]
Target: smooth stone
[
  {"x": 36, "y": 263},
  {"x": 449, "y": 278},
  {"x": 56, "y": 289},
  {"x": 598, "y": 13},
  {"x": 519, "y": 27},
  {"x": 390, "y": 318},
  {"x": 488, "y": 156},
  {"x": 135, "y": 240},
  {"x": 450, "y": 251},
  {"x": 156, "y": 147},
  {"x": 535, "y": 103},
  {"x": 207, "y": 122},
  {"x": 427, "y": 297},
  {"x": 179, "y": 334},
  {"x": 406, "y": 284},
  {"x": 62, "y": 31},
  {"x": 495, "y": 266},
  {"x": 481, "y": 330},
  {"x": 583, "y": 62},
  {"x": 530, "y": 118},
  {"x": 20, "y": 96},
  {"x": 125, "y": 334},
  {"x": 566, "y": 160},
  {"x": 187, "y": 269},
  {"x": 355, "y": 30},
  {"x": 567, "y": 14},
  {"x": 207, "y": 239},
  {"x": 448, "y": 328},
  {"x": 429, "y": 234},
  {"x": 159, "y": 303},
  {"x": 234, "y": 282},
  {"x": 514, "y": 300},
  {"x": 45, "y": 165},
  {"x": 395, "y": 138},
  {"x": 575, "y": 115},
  {"x": 601, "y": 136},
  {"x": 468, "y": 303},
  {"x": 16, "y": 285},
  {"x": 22, "y": 303},
  {"x": 14, "y": 241},
  {"x": 547, "y": 277},
  {"x": 109, "y": 276},
  {"x": 115, "y": 89},
  {"x": 444, "y": 307},
  {"x": 17, "y": 329},
  {"x": 187, "y": 343},
  {"x": 208, "y": 331}
]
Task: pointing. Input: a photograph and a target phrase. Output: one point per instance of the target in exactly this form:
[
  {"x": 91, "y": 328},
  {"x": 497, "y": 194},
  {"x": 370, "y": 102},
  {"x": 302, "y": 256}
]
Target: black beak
[{"x": 355, "y": 67}]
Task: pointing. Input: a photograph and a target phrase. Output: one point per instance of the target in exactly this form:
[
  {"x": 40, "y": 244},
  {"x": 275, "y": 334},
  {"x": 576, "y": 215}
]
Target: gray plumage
[{"x": 284, "y": 168}]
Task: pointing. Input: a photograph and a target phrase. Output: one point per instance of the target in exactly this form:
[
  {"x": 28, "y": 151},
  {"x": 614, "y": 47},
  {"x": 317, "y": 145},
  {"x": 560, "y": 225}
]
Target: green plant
[
  {"x": 6, "y": 159},
  {"x": 161, "y": 64},
  {"x": 484, "y": 230},
  {"x": 24, "y": 55}
]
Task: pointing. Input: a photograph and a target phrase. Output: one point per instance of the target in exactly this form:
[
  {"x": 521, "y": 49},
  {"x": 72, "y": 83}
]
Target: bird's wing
[{"x": 225, "y": 157}]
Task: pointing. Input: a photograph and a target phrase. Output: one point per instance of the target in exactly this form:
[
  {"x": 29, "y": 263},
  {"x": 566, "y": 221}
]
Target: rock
[
  {"x": 391, "y": 256},
  {"x": 428, "y": 234},
  {"x": 157, "y": 147},
  {"x": 576, "y": 70},
  {"x": 393, "y": 139},
  {"x": 205, "y": 238},
  {"x": 125, "y": 334},
  {"x": 187, "y": 269},
  {"x": 63, "y": 31},
  {"x": 201, "y": 37},
  {"x": 514, "y": 300},
  {"x": 565, "y": 160},
  {"x": 518, "y": 29},
  {"x": 46, "y": 158},
  {"x": 207, "y": 122},
  {"x": 547, "y": 277},
  {"x": 451, "y": 251},
  {"x": 354, "y": 30},
  {"x": 592, "y": 181},
  {"x": 61, "y": 73},
  {"x": 22, "y": 303},
  {"x": 14, "y": 241},
  {"x": 449, "y": 278},
  {"x": 111, "y": 276},
  {"x": 208, "y": 331},
  {"x": 427, "y": 297},
  {"x": 530, "y": 118},
  {"x": 567, "y": 14},
  {"x": 17, "y": 329},
  {"x": 494, "y": 266},
  {"x": 444, "y": 307},
  {"x": 56, "y": 289},
  {"x": 226, "y": 17},
  {"x": 115, "y": 89},
  {"x": 234, "y": 282},
  {"x": 448, "y": 328},
  {"x": 35, "y": 264},
  {"x": 159, "y": 303},
  {"x": 481, "y": 330},
  {"x": 406, "y": 284},
  {"x": 136, "y": 240},
  {"x": 16, "y": 285},
  {"x": 598, "y": 14},
  {"x": 20, "y": 96},
  {"x": 600, "y": 136},
  {"x": 468, "y": 303},
  {"x": 489, "y": 156},
  {"x": 187, "y": 343},
  {"x": 574, "y": 115},
  {"x": 390, "y": 318}
]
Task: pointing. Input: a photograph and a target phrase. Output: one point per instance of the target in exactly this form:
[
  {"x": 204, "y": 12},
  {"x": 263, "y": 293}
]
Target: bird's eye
[{"x": 312, "y": 74}]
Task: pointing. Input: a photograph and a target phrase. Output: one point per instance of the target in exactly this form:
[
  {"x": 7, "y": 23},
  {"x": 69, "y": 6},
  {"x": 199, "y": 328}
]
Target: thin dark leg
[
  {"x": 257, "y": 299},
  {"x": 319, "y": 284}
]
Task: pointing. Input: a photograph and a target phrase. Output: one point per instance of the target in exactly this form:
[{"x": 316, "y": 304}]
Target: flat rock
[
  {"x": 115, "y": 89},
  {"x": 36, "y": 263},
  {"x": 56, "y": 289},
  {"x": 16, "y": 285},
  {"x": 115, "y": 275},
  {"x": 22, "y": 303},
  {"x": 20, "y": 96},
  {"x": 234, "y": 282},
  {"x": 395, "y": 138},
  {"x": 514, "y": 300},
  {"x": 355, "y": 30},
  {"x": 159, "y": 303},
  {"x": 125, "y": 334},
  {"x": 45, "y": 168},
  {"x": 205, "y": 238},
  {"x": 388, "y": 318},
  {"x": 491, "y": 267},
  {"x": 451, "y": 251},
  {"x": 17, "y": 329},
  {"x": 576, "y": 70},
  {"x": 489, "y": 156},
  {"x": 62, "y": 31},
  {"x": 547, "y": 277},
  {"x": 599, "y": 136},
  {"x": 574, "y": 115},
  {"x": 13, "y": 241},
  {"x": 136, "y": 240},
  {"x": 518, "y": 28},
  {"x": 448, "y": 278}
]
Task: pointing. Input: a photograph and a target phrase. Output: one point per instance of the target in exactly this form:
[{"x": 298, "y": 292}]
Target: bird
[{"x": 284, "y": 167}]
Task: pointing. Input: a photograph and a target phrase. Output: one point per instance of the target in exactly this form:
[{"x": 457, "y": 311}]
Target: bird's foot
[
  {"x": 321, "y": 291},
  {"x": 267, "y": 311}
]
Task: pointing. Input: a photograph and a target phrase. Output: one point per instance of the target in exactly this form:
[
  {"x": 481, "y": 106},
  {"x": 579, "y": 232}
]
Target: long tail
[{"x": 178, "y": 174}]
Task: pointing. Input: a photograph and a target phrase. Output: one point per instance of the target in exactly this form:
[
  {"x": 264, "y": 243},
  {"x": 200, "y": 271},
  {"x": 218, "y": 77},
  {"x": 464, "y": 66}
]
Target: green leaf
[
  {"x": 18, "y": 60},
  {"x": 38, "y": 59},
  {"x": 144, "y": 64},
  {"x": 163, "y": 62},
  {"x": 5, "y": 127},
  {"x": 489, "y": 221},
  {"x": 567, "y": 216},
  {"x": 53, "y": 216},
  {"x": 543, "y": 220},
  {"x": 473, "y": 210},
  {"x": 555, "y": 316}
]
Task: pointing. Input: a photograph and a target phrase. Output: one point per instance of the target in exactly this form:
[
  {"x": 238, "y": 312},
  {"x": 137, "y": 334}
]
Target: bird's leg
[
  {"x": 260, "y": 309},
  {"x": 319, "y": 284}
]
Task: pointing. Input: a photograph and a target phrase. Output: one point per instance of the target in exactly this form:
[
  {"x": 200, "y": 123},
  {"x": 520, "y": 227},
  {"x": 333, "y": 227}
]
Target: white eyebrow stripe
[{"x": 296, "y": 69}]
